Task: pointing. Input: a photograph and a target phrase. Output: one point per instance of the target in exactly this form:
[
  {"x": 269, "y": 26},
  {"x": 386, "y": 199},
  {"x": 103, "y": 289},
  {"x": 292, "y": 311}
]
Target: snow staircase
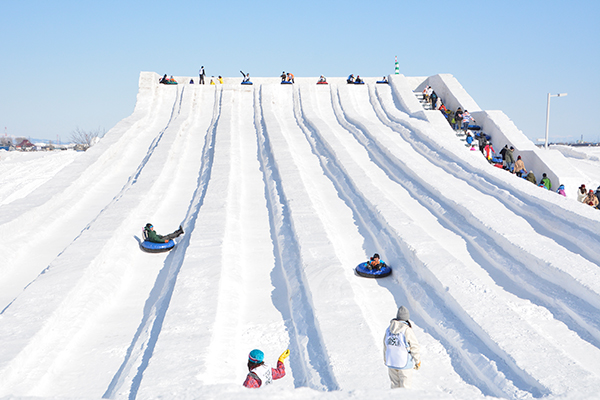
[{"x": 421, "y": 97}]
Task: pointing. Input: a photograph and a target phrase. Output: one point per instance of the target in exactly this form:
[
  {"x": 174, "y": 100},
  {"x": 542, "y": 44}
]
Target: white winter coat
[{"x": 397, "y": 326}]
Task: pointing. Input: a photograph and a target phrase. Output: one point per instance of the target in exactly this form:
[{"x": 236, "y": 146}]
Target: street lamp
[{"x": 548, "y": 113}]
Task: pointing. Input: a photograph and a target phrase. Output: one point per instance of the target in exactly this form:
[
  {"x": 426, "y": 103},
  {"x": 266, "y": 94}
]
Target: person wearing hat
[
  {"x": 531, "y": 177},
  {"x": 261, "y": 373},
  {"x": 591, "y": 199},
  {"x": 581, "y": 193},
  {"x": 561, "y": 190},
  {"x": 151, "y": 235},
  {"x": 510, "y": 159},
  {"x": 375, "y": 262},
  {"x": 401, "y": 350},
  {"x": 519, "y": 167}
]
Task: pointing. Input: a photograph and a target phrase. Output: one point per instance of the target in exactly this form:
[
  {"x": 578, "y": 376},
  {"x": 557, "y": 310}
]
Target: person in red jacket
[{"x": 261, "y": 373}]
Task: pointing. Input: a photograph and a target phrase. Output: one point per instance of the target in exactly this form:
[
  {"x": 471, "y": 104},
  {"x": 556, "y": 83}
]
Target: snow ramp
[{"x": 281, "y": 191}]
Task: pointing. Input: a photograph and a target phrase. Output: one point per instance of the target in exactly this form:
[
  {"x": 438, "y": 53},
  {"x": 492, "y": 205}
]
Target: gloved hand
[
  {"x": 284, "y": 355},
  {"x": 418, "y": 365}
]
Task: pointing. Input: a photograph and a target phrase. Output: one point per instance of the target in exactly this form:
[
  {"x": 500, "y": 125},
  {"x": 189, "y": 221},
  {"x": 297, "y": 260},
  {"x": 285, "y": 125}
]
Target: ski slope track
[{"x": 281, "y": 191}]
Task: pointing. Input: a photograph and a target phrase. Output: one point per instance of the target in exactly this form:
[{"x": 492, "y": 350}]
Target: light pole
[{"x": 548, "y": 114}]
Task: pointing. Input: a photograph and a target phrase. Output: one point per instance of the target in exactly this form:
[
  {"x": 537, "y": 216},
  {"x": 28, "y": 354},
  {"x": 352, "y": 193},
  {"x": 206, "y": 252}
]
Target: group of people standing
[{"x": 202, "y": 76}]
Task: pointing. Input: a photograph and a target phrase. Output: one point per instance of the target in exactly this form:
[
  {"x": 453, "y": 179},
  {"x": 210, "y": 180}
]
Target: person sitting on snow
[
  {"x": 246, "y": 76},
  {"x": 531, "y": 177},
  {"x": 561, "y": 190},
  {"x": 350, "y": 79},
  {"x": 261, "y": 373},
  {"x": 322, "y": 79},
  {"x": 152, "y": 236},
  {"x": 358, "y": 80}
]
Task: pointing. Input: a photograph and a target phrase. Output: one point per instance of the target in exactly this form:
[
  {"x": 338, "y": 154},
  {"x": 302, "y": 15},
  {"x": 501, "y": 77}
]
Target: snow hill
[{"x": 282, "y": 190}]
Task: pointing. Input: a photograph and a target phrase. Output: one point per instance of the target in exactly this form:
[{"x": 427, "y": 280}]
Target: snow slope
[{"x": 282, "y": 190}]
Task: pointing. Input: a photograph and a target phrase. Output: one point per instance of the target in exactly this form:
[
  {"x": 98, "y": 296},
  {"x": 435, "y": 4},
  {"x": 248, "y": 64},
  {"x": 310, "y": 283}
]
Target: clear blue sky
[{"x": 69, "y": 64}]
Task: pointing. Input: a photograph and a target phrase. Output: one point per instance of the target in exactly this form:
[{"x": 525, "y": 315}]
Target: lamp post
[{"x": 548, "y": 114}]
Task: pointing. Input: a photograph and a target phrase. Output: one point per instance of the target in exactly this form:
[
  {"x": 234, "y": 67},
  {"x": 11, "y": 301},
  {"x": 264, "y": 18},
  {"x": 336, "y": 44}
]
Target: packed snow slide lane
[
  {"x": 509, "y": 246},
  {"x": 317, "y": 118},
  {"x": 222, "y": 306},
  {"x": 450, "y": 284},
  {"x": 50, "y": 218},
  {"x": 317, "y": 245},
  {"x": 81, "y": 286}
]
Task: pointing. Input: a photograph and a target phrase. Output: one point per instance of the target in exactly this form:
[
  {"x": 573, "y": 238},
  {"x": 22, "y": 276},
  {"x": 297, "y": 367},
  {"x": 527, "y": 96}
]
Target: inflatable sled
[
  {"x": 247, "y": 83},
  {"x": 359, "y": 83},
  {"x": 497, "y": 159},
  {"x": 286, "y": 82},
  {"x": 474, "y": 127},
  {"x": 153, "y": 247},
  {"x": 363, "y": 270},
  {"x": 321, "y": 83},
  {"x": 382, "y": 82},
  {"x": 169, "y": 83}
]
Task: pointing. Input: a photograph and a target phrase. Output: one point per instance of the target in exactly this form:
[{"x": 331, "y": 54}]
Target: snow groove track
[{"x": 282, "y": 190}]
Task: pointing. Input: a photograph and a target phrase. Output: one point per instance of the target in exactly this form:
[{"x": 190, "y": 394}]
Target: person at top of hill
[
  {"x": 546, "y": 181},
  {"x": 290, "y": 77},
  {"x": 322, "y": 79},
  {"x": 246, "y": 76},
  {"x": 220, "y": 79},
  {"x": 384, "y": 79},
  {"x": 561, "y": 190},
  {"x": 375, "y": 262},
  {"x": 151, "y": 235},
  {"x": 531, "y": 178},
  {"x": 401, "y": 350},
  {"x": 581, "y": 193},
  {"x": 201, "y": 74},
  {"x": 261, "y": 373},
  {"x": 358, "y": 80},
  {"x": 350, "y": 79},
  {"x": 283, "y": 76},
  {"x": 591, "y": 199},
  {"x": 163, "y": 79},
  {"x": 519, "y": 167}
]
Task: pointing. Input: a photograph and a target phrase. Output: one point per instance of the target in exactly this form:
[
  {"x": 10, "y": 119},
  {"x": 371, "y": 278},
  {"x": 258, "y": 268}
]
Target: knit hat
[
  {"x": 519, "y": 157},
  {"x": 148, "y": 225},
  {"x": 256, "y": 356},
  {"x": 403, "y": 314}
]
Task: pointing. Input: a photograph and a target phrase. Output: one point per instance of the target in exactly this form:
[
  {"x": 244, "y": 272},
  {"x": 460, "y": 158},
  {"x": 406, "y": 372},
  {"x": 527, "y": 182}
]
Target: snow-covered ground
[{"x": 282, "y": 190}]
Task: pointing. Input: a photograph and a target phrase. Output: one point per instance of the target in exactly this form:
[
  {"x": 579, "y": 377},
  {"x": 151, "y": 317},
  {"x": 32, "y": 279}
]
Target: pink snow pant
[{"x": 401, "y": 378}]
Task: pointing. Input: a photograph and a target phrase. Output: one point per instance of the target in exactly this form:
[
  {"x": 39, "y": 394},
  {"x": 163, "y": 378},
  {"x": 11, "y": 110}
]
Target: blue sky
[{"x": 70, "y": 64}]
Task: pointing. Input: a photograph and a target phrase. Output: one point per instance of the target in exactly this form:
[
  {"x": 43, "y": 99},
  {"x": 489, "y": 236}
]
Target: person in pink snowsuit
[{"x": 261, "y": 373}]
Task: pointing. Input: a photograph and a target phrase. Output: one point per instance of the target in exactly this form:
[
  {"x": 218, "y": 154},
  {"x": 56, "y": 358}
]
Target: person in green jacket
[
  {"x": 546, "y": 181},
  {"x": 152, "y": 236},
  {"x": 531, "y": 178}
]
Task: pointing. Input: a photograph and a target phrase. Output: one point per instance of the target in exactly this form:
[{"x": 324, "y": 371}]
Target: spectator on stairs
[
  {"x": 581, "y": 193},
  {"x": 519, "y": 167}
]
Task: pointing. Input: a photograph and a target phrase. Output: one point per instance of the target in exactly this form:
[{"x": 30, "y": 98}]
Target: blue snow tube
[
  {"x": 286, "y": 82},
  {"x": 153, "y": 247},
  {"x": 247, "y": 83},
  {"x": 363, "y": 270},
  {"x": 382, "y": 82}
]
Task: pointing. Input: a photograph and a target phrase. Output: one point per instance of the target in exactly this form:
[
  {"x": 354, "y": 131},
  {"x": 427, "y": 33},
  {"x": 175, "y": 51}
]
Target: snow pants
[{"x": 401, "y": 378}]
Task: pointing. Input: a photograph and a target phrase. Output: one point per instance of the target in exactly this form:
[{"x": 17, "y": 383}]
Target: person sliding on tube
[
  {"x": 152, "y": 236},
  {"x": 261, "y": 373},
  {"x": 375, "y": 263}
]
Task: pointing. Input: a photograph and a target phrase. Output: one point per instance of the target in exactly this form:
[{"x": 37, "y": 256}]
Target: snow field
[{"x": 282, "y": 190}]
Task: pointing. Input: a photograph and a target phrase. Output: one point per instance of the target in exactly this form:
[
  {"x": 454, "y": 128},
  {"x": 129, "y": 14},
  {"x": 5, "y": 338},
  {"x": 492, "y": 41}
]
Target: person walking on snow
[
  {"x": 519, "y": 167},
  {"x": 467, "y": 118},
  {"x": 151, "y": 235},
  {"x": 261, "y": 373},
  {"x": 401, "y": 350}
]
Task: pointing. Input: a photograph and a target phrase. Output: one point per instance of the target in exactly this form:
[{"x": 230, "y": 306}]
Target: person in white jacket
[{"x": 401, "y": 350}]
